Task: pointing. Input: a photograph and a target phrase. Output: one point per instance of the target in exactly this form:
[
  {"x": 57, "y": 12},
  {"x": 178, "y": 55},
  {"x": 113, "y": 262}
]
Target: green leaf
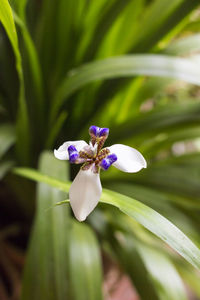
[
  {"x": 155, "y": 223},
  {"x": 186, "y": 45},
  {"x": 41, "y": 177},
  {"x": 147, "y": 266},
  {"x": 190, "y": 276},
  {"x": 7, "y": 21},
  {"x": 47, "y": 263},
  {"x": 156, "y": 199},
  {"x": 33, "y": 61},
  {"x": 159, "y": 120},
  {"x": 165, "y": 278},
  {"x": 67, "y": 21},
  {"x": 5, "y": 166},
  {"x": 84, "y": 264},
  {"x": 23, "y": 141},
  {"x": 56, "y": 129},
  {"x": 132, "y": 263},
  {"x": 62, "y": 202},
  {"x": 7, "y": 138},
  {"x": 125, "y": 66},
  {"x": 146, "y": 216},
  {"x": 116, "y": 41},
  {"x": 158, "y": 20},
  {"x": 173, "y": 178},
  {"x": 106, "y": 19}
]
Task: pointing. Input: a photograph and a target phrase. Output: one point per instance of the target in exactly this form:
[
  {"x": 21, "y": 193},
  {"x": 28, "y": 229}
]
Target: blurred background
[{"x": 132, "y": 66}]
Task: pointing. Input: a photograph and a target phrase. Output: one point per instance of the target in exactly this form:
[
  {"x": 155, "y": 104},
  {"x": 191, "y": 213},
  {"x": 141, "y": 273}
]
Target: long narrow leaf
[
  {"x": 165, "y": 278},
  {"x": 126, "y": 66},
  {"x": 5, "y": 167},
  {"x": 186, "y": 45},
  {"x": 23, "y": 141},
  {"x": 48, "y": 248},
  {"x": 33, "y": 60},
  {"x": 7, "y": 138},
  {"x": 146, "y": 216},
  {"x": 84, "y": 264},
  {"x": 159, "y": 20},
  {"x": 156, "y": 223}
]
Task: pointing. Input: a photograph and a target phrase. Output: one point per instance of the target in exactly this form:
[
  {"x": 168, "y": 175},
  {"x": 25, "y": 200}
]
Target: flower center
[
  {"x": 94, "y": 160},
  {"x": 93, "y": 156}
]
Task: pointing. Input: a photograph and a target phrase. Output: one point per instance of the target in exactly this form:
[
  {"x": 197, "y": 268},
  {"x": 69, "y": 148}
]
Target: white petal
[
  {"x": 128, "y": 159},
  {"x": 62, "y": 153},
  {"x": 85, "y": 193}
]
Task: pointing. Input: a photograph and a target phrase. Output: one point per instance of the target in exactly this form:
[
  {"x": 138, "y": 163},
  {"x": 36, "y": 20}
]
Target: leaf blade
[
  {"x": 125, "y": 66},
  {"x": 143, "y": 214},
  {"x": 7, "y": 138},
  {"x": 155, "y": 223},
  {"x": 23, "y": 141},
  {"x": 49, "y": 243},
  {"x": 84, "y": 262}
]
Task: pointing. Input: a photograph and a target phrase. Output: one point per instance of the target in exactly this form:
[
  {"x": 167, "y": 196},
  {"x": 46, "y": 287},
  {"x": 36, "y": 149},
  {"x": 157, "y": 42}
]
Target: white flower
[{"x": 85, "y": 191}]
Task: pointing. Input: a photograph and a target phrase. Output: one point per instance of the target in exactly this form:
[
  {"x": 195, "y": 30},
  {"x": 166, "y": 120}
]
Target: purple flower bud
[
  {"x": 104, "y": 132},
  {"x": 73, "y": 154},
  {"x": 108, "y": 161},
  {"x": 94, "y": 130},
  {"x": 98, "y": 131}
]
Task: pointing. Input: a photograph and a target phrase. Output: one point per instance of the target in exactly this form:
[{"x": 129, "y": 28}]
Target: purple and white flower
[{"x": 85, "y": 191}]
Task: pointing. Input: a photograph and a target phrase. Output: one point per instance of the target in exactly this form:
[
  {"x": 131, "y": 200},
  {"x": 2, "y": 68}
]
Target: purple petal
[
  {"x": 108, "y": 161},
  {"x": 94, "y": 130},
  {"x": 98, "y": 131},
  {"x": 73, "y": 154},
  {"x": 104, "y": 132}
]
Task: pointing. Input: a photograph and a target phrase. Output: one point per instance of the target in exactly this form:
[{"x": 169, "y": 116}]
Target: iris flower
[{"x": 86, "y": 189}]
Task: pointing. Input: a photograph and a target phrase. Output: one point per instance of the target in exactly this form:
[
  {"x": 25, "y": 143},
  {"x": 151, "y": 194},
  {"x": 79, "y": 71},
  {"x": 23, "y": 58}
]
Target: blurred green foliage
[{"x": 132, "y": 66}]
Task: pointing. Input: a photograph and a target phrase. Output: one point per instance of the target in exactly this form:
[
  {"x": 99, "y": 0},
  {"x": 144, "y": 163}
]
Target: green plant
[{"x": 117, "y": 64}]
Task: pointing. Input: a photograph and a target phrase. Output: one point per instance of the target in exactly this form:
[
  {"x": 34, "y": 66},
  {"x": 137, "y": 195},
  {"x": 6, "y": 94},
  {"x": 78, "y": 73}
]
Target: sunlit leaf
[{"x": 23, "y": 141}]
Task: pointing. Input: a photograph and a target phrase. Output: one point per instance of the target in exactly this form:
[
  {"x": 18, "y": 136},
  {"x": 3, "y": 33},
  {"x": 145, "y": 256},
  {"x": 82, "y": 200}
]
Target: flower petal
[
  {"x": 62, "y": 151},
  {"x": 108, "y": 161},
  {"x": 98, "y": 131},
  {"x": 73, "y": 154},
  {"x": 85, "y": 193},
  {"x": 128, "y": 159}
]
